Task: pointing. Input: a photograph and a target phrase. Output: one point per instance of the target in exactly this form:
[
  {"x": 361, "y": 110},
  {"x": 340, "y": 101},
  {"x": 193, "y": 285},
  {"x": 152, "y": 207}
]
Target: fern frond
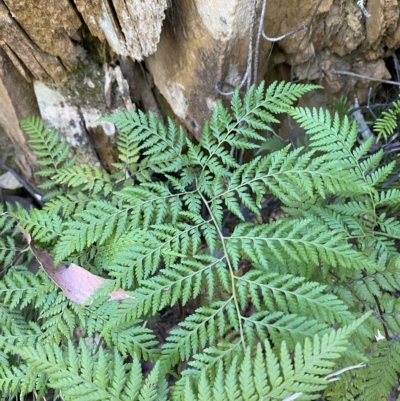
[
  {"x": 52, "y": 153},
  {"x": 20, "y": 288},
  {"x": 162, "y": 146},
  {"x": 291, "y": 239},
  {"x": 95, "y": 224},
  {"x": 67, "y": 205},
  {"x": 376, "y": 380},
  {"x": 10, "y": 238},
  {"x": 80, "y": 376},
  {"x": 85, "y": 178},
  {"x": 280, "y": 326},
  {"x": 304, "y": 374},
  {"x": 59, "y": 319},
  {"x": 182, "y": 228},
  {"x": 204, "y": 327},
  {"x": 390, "y": 197},
  {"x": 290, "y": 294},
  {"x": 336, "y": 138},
  {"x": 387, "y": 123},
  {"x": 182, "y": 281},
  {"x": 42, "y": 226},
  {"x": 16, "y": 330}
]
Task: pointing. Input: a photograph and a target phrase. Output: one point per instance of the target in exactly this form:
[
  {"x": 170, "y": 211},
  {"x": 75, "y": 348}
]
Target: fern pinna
[{"x": 268, "y": 310}]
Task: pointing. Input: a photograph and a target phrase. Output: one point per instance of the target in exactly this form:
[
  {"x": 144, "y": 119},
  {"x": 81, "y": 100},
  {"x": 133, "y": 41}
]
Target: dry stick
[
  {"x": 278, "y": 38},
  {"x": 353, "y": 74}
]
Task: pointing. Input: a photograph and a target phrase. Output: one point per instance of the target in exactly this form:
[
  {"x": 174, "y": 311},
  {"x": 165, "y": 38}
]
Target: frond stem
[{"x": 222, "y": 238}]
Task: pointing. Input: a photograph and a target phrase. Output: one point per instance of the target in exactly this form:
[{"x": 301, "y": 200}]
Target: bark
[{"x": 72, "y": 61}]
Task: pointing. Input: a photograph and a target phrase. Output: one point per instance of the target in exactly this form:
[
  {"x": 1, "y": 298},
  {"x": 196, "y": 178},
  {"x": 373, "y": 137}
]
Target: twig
[
  {"x": 353, "y": 74},
  {"x": 277, "y": 39}
]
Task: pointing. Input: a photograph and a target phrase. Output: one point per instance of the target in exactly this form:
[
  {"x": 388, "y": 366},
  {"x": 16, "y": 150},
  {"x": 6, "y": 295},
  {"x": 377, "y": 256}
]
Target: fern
[
  {"x": 79, "y": 375},
  {"x": 9, "y": 241},
  {"x": 387, "y": 122},
  {"x": 231, "y": 304},
  {"x": 52, "y": 153},
  {"x": 270, "y": 375}
]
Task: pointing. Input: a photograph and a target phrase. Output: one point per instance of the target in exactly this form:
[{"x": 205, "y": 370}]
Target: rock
[
  {"x": 205, "y": 42},
  {"x": 58, "y": 17},
  {"x": 102, "y": 135},
  {"x": 26, "y": 56},
  {"x": 132, "y": 28},
  {"x": 384, "y": 18},
  {"x": 17, "y": 100},
  {"x": 66, "y": 118},
  {"x": 201, "y": 51},
  {"x": 8, "y": 181}
]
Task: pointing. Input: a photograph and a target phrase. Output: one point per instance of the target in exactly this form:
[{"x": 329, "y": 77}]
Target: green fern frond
[
  {"x": 162, "y": 146},
  {"x": 95, "y": 224},
  {"x": 204, "y": 327},
  {"x": 390, "y": 197},
  {"x": 182, "y": 281},
  {"x": 52, "y": 153},
  {"x": 290, "y": 238},
  {"x": 86, "y": 178},
  {"x": 79, "y": 375},
  {"x": 133, "y": 339},
  {"x": 60, "y": 319},
  {"x": 16, "y": 330},
  {"x": 42, "y": 226},
  {"x": 67, "y": 205},
  {"x": 267, "y": 377},
  {"x": 188, "y": 227},
  {"x": 280, "y": 326},
  {"x": 387, "y": 123},
  {"x": 10, "y": 238},
  {"x": 20, "y": 288},
  {"x": 376, "y": 380},
  {"x": 290, "y": 294}
]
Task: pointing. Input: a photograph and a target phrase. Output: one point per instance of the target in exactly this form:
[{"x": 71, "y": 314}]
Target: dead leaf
[{"x": 76, "y": 283}]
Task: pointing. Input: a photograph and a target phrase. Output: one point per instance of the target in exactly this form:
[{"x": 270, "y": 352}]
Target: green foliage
[
  {"x": 52, "y": 153},
  {"x": 387, "y": 123},
  {"x": 266, "y": 374},
  {"x": 260, "y": 309},
  {"x": 9, "y": 239}
]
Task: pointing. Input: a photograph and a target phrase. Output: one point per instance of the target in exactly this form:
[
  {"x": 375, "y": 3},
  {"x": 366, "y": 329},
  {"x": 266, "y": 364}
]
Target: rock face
[
  {"x": 45, "y": 70},
  {"x": 74, "y": 60},
  {"x": 131, "y": 28},
  {"x": 17, "y": 99},
  {"x": 205, "y": 42}
]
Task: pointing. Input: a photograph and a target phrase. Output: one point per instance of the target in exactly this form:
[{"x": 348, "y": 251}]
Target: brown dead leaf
[{"x": 77, "y": 283}]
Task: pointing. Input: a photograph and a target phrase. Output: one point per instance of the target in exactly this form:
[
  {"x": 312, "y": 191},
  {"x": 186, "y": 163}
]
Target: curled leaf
[{"x": 76, "y": 283}]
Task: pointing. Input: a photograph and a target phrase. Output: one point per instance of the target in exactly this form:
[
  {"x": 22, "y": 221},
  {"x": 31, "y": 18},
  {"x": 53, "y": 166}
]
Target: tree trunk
[{"x": 72, "y": 61}]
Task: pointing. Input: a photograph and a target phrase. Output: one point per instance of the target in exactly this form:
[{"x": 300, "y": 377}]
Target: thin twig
[
  {"x": 353, "y": 74},
  {"x": 278, "y": 38}
]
